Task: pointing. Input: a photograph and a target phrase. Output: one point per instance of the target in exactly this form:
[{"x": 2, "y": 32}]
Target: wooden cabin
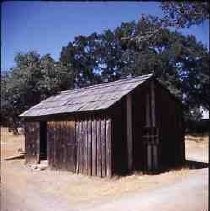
[{"x": 133, "y": 124}]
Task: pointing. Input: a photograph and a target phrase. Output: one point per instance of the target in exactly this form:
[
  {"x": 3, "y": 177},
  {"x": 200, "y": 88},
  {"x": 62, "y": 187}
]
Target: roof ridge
[{"x": 104, "y": 84}]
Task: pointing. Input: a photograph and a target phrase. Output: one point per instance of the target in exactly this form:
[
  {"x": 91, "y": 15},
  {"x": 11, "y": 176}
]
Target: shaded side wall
[
  {"x": 158, "y": 128},
  {"x": 119, "y": 142},
  {"x": 169, "y": 118},
  {"x": 139, "y": 115}
]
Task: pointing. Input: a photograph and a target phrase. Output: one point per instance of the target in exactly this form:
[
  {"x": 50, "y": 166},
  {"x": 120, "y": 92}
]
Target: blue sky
[{"x": 48, "y": 26}]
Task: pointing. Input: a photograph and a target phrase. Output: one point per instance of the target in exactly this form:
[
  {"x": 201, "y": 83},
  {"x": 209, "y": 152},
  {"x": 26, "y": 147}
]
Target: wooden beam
[
  {"x": 94, "y": 149},
  {"x": 147, "y": 110},
  {"x": 77, "y": 148},
  {"x": 155, "y": 156},
  {"x": 153, "y": 121},
  {"x": 89, "y": 156},
  {"x": 98, "y": 137},
  {"x": 129, "y": 131},
  {"x": 86, "y": 147},
  {"x": 82, "y": 147},
  {"x": 153, "y": 104},
  {"x": 37, "y": 125},
  {"x": 103, "y": 147},
  {"x": 108, "y": 148},
  {"x": 149, "y": 157}
]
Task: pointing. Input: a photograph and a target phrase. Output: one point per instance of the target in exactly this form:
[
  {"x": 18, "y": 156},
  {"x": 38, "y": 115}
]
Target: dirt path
[
  {"x": 183, "y": 195},
  {"x": 188, "y": 193},
  {"x": 25, "y": 190},
  {"x": 31, "y": 201}
]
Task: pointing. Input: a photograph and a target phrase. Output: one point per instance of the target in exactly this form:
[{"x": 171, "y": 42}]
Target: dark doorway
[{"x": 43, "y": 141}]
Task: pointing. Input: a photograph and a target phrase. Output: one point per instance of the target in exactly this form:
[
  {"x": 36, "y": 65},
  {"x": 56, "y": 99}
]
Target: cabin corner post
[
  {"x": 153, "y": 119},
  {"x": 38, "y": 142},
  {"x": 155, "y": 138},
  {"x": 148, "y": 164},
  {"x": 129, "y": 130},
  {"x": 151, "y": 131},
  {"x": 109, "y": 147}
]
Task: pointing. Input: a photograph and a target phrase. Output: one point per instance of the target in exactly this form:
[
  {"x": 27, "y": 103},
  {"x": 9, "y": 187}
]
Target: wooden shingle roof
[{"x": 96, "y": 97}]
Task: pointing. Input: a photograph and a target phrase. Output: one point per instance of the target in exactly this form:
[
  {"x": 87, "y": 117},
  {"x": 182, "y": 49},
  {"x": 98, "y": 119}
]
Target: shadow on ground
[
  {"x": 16, "y": 157},
  {"x": 191, "y": 164},
  {"x": 188, "y": 164}
]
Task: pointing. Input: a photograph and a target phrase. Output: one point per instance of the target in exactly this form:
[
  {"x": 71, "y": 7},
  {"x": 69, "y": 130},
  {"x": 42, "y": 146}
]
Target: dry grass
[
  {"x": 197, "y": 138},
  {"x": 197, "y": 148},
  {"x": 10, "y": 143}
]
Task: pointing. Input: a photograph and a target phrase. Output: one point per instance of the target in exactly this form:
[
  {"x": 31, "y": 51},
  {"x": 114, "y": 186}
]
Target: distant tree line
[{"x": 134, "y": 48}]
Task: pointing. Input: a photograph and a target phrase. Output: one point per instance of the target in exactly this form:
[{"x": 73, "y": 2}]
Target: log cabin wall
[
  {"x": 171, "y": 128},
  {"x": 81, "y": 145}
]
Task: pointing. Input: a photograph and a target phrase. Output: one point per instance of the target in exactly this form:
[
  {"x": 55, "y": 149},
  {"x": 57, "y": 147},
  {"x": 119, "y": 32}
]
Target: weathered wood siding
[
  {"x": 158, "y": 130},
  {"x": 32, "y": 135},
  {"x": 93, "y": 141},
  {"x": 139, "y": 119},
  {"x": 119, "y": 138},
  {"x": 144, "y": 132},
  {"x": 61, "y": 144},
  {"x": 82, "y": 145},
  {"x": 170, "y": 122},
  {"x": 151, "y": 141}
]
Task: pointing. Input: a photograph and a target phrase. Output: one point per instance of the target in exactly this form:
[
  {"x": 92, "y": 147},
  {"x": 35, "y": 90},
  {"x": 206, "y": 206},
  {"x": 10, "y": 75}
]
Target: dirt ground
[{"x": 24, "y": 189}]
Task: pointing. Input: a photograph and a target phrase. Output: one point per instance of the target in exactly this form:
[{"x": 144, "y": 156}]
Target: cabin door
[
  {"x": 61, "y": 145},
  {"x": 151, "y": 149},
  {"x": 43, "y": 141},
  {"x": 32, "y": 138}
]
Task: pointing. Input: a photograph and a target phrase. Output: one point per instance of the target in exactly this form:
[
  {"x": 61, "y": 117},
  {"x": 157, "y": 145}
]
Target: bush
[{"x": 198, "y": 127}]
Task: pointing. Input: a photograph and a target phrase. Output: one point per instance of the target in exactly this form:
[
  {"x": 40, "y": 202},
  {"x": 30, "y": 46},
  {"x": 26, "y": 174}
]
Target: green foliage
[
  {"x": 197, "y": 127},
  {"x": 142, "y": 47},
  {"x": 133, "y": 48},
  {"x": 33, "y": 79},
  {"x": 185, "y": 14}
]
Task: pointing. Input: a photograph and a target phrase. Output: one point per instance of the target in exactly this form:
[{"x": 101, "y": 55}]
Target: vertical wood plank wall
[
  {"x": 32, "y": 142},
  {"x": 144, "y": 121},
  {"x": 119, "y": 138},
  {"x": 170, "y": 122},
  {"x": 158, "y": 132},
  {"x": 81, "y": 145},
  {"x": 139, "y": 118},
  {"x": 61, "y": 144},
  {"x": 96, "y": 144},
  {"x": 129, "y": 131}
]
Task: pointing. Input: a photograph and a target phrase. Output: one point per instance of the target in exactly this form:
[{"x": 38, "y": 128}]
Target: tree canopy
[
  {"x": 33, "y": 79},
  {"x": 134, "y": 48},
  {"x": 181, "y": 62},
  {"x": 185, "y": 14}
]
